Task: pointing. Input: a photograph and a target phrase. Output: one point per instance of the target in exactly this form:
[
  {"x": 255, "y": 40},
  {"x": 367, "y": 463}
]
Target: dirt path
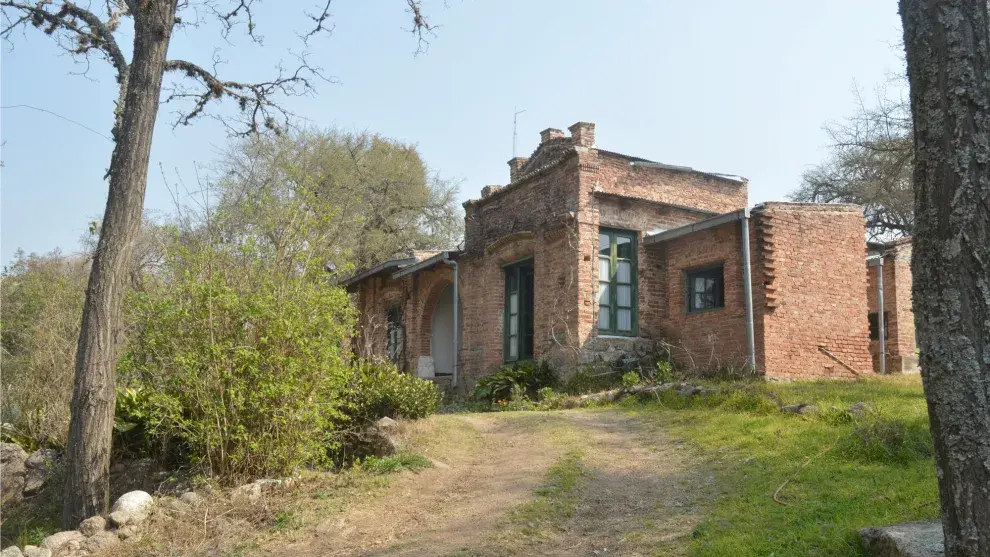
[{"x": 641, "y": 492}]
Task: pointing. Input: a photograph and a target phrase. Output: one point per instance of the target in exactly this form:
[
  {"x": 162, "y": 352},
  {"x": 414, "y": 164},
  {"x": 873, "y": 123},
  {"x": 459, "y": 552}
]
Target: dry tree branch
[
  {"x": 87, "y": 31},
  {"x": 255, "y": 100},
  {"x": 320, "y": 21},
  {"x": 420, "y": 26}
]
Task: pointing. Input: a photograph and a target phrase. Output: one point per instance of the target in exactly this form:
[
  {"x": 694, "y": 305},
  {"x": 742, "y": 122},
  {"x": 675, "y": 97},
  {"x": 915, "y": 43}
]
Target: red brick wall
[
  {"x": 901, "y": 346},
  {"x": 687, "y": 188},
  {"x": 531, "y": 218},
  {"x": 714, "y": 339},
  {"x": 415, "y": 295},
  {"x": 814, "y": 289},
  {"x": 643, "y": 217},
  {"x": 617, "y": 194}
]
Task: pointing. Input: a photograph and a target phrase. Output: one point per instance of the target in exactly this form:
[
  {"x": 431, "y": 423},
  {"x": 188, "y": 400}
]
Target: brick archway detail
[{"x": 426, "y": 321}]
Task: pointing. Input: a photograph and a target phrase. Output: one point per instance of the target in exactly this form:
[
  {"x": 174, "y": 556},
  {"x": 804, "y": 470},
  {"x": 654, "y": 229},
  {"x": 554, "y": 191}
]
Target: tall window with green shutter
[
  {"x": 517, "y": 331},
  {"x": 617, "y": 296}
]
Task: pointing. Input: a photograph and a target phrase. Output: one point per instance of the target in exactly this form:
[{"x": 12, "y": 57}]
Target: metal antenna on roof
[{"x": 515, "y": 135}]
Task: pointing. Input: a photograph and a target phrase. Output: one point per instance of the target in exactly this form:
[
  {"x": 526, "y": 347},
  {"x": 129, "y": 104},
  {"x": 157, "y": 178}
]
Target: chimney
[
  {"x": 583, "y": 134},
  {"x": 550, "y": 133},
  {"x": 515, "y": 167},
  {"x": 487, "y": 191}
]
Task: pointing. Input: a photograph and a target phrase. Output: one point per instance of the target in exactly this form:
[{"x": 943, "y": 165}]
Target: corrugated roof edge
[
  {"x": 390, "y": 264},
  {"x": 680, "y": 231},
  {"x": 717, "y": 175},
  {"x": 426, "y": 263}
]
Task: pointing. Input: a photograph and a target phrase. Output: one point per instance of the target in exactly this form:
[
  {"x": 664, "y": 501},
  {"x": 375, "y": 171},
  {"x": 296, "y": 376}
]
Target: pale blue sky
[{"x": 739, "y": 87}]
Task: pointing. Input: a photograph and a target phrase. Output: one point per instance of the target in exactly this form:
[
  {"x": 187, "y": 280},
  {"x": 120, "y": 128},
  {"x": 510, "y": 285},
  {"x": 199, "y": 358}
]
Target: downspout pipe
[
  {"x": 457, "y": 348},
  {"x": 748, "y": 291},
  {"x": 881, "y": 326}
]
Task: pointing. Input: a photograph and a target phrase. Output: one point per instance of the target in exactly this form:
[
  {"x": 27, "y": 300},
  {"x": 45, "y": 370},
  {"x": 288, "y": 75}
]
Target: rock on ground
[
  {"x": 248, "y": 493},
  {"x": 93, "y": 525},
  {"x": 12, "y": 472},
  {"x": 798, "y": 408},
  {"x": 12, "y": 551},
  {"x": 387, "y": 423},
  {"x": 191, "y": 498},
  {"x": 858, "y": 410},
  {"x": 39, "y": 467},
  {"x": 128, "y": 531},
  {"x": 34, "y": 551},
  {"x": 56, "y": 541},
  {"x": 131, "y": 507},
  {"x": 101, "y": 540},
  {"x": 909, "y": 539}
]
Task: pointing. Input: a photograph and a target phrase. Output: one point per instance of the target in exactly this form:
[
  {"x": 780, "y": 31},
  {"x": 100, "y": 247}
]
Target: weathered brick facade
[
  {"x": 809, "y": 290},
  {"x": 812, "y": 266},
  {"x": 900, "y": 345}
]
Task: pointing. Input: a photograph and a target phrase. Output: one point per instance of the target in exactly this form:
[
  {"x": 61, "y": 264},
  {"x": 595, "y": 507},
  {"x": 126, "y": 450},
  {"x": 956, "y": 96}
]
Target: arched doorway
[{"x": 442, "y": 333}]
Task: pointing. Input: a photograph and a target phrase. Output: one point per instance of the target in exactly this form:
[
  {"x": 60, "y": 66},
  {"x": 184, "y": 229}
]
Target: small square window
[{"x": 705, "y": 289}]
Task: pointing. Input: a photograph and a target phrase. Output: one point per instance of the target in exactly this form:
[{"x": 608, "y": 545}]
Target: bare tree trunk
[
  {"x": 93, "y": 398},
  {"x": 948, "y": 55}
]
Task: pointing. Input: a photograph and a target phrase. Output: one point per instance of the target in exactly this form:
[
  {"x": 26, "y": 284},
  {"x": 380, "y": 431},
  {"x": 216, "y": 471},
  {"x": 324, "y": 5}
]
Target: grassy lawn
[{"x": 843, "y": 472}]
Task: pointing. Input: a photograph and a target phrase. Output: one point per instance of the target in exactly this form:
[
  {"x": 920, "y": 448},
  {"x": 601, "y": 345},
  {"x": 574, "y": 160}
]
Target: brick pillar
[{"x": 583, "y": 134}]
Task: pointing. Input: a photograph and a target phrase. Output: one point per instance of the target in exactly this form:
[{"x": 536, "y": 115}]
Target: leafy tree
[
  {"x": 870, "y": 163},
  {"x": 948, "y": 59},
  {"x": 83, "y": 32},
  {"x": 360, "y": 198}
]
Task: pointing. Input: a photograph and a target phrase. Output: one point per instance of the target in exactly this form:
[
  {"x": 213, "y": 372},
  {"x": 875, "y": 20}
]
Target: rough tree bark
[
  {"x": 87, "y": 488},
  {"x": 948, "y": 55}
]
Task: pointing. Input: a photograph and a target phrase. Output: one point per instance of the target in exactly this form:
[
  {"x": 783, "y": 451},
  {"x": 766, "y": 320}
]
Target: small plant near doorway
[{"x": 527, "y": 377}]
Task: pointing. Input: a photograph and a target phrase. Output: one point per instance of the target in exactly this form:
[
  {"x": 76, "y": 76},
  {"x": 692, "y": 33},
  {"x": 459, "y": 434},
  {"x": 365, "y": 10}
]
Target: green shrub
[
  {"x": 378, "y": 389},
  {"x": 241, "y": 364},
  {"x": 630, "y": 379},
  {"x": 665, "y": 372},
  {"x": 529, "y": 376},
  {"x": 397, "y": 463}
]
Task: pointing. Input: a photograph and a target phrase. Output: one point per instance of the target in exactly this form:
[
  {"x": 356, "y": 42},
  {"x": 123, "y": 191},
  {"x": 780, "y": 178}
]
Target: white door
[{"x": 442, "y": 333}]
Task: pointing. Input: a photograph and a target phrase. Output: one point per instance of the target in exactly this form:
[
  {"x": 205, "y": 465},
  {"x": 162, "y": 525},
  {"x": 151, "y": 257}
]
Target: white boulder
[{"x": 131, "y": 508}]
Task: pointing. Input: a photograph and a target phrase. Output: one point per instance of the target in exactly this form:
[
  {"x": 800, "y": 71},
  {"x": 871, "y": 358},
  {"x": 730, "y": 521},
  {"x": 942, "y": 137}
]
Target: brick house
[
  {"x": 889, "y": 270},
  {"x": 588, "y": 256}
]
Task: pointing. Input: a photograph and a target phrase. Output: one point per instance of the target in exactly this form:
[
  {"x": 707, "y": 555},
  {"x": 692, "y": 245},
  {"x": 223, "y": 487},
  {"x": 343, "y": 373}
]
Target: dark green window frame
[
  {"x": 618, "y": 284},
  {"x": 712, "y": 297},
  {"x": 517, "y": 325}
]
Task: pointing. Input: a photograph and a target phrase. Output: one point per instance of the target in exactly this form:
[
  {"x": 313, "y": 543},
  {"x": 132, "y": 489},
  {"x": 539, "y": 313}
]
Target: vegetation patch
[
  {"x": 555, "y": 501},
  {"x": 397, "y": 463},
  {"x": 795, "y": 484},
  {"x": 521, "y": 379}
]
